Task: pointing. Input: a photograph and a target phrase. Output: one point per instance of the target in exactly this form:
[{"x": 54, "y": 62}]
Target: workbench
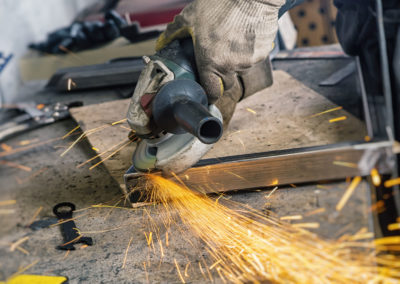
[{"x": 54, "y": 179}]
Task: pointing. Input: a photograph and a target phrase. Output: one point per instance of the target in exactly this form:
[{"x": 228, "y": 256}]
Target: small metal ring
[{"x": 63, "y": 204}]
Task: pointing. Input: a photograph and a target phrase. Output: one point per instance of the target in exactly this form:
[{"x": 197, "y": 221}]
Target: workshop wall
[{"x": 25, "y": 21}]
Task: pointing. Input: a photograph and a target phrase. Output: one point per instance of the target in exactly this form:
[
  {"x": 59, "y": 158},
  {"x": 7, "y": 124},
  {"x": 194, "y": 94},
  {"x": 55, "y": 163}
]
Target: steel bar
[{"x": 292, "y": 166}]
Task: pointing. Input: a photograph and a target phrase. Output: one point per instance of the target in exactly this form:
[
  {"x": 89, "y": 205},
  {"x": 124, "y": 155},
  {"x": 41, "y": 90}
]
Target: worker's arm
[{"x": 229, "y": 36}]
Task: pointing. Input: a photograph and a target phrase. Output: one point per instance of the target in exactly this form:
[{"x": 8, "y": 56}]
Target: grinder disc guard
[{"x": 171, "y": 152}]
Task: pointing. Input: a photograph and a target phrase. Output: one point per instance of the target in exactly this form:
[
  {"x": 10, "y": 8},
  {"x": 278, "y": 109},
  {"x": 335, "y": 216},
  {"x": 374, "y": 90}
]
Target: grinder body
[{"x": 170, "y": 112}]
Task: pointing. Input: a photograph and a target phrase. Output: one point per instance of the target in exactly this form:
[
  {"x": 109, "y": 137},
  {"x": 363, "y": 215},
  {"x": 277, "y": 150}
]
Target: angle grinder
[{"x": 170, "y": 112}]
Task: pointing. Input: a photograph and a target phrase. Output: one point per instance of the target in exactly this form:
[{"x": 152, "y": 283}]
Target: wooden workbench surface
[{"x": 282, "y": 116}]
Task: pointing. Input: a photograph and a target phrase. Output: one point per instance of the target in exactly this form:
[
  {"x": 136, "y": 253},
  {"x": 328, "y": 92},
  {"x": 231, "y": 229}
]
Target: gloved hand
[{"x": 232, "y": 39}]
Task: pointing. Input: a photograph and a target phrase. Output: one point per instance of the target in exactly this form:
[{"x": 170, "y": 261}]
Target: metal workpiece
[{"x": 293, "y": 166}]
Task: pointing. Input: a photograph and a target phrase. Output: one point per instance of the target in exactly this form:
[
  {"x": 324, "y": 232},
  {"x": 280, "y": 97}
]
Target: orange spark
[
  {"x": 7, "y": 211},
  {"x": 186, "y": 269},
  {"x": 306, "y": 225},
  {"x": 387, "y": 241},
  {"x": 251, "y": 110},
  {"x": 35, "y": 174},
  {"x": 348, "y": 193},
  {"x": 101, "y": 154},
  {"x": 119, "y": 122},
  {"x": 275, "y": 182},
  {"x": 272, "y": 192},
  {"x": 6, "y": 148},
  {"x": 327, "y": 111},
  {"x": 70, "y": 132},
  {"x": 345, "y": 164},
  {"x": 126, "y": 252},
  {"x": 394, "y": 226},
  {"x": 145, "y": 270},
  {"x": 321, "y": 186},
  {"x": 40, "y": 106},
  {"x": 294, "y": 217},
  {"x": 337, "y": 119},
  {"x": 27, "y": 142},
  {"x": 253, "y": 247},
  {"x": 66, "y": 254},
  {"x": 16, "y": 166},
  {"x": 23, "y": 250},
  {"x": 7, "y": 202},
  {"x": 19, "y": 242},
  {"x": 392, "y": 182},
  {"x": 109, "y": 156},
  {"x": 149, "y": 239},
  {"x": 314, "y": 212},
  {"x": 37, "y": 212},
  {"x": 376, "y": 178},
  {"x": 179, "y": 271}
]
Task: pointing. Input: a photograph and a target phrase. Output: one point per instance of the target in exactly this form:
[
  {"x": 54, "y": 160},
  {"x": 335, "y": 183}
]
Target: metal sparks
[
  {"x": 376, "y": 178},
  {"x": 392, "y": 182},
  {"x": 313, "y": 225},
  {"x": 346, "y": 196},
  {"x": 341, "y": 118},
  {"x": 345, "y": 164},
  {"x": 246, "y": 246},
  {"x": 34, "y": 216},
  {"x": 394, "y": 227},
  {"x": 272, "y": 192},
  {"x": 251, "y": 111},
  {"x": 5, "y": 147},
  {"x": 327, "y": 111},
  {"x": 126, "y": 252},
  {"x": 179, "y": 271},
  {"x": 16, "y": 166},
  {"x": 289, "y": 218},
  {"x": 19, "y": 242},
  {"x": 7, "y": 202},
  {"x": 71, "y": 132},
  {"x": 314, "y": 212},
  {"x": 112, "y": 154}
]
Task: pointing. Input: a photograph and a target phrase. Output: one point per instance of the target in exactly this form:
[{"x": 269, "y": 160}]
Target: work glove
[{"x": 232, "y": 40}]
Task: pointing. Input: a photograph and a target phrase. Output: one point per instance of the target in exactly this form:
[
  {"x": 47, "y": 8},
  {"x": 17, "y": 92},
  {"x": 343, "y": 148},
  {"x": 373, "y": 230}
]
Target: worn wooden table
[{"x": 54, "y": 179}]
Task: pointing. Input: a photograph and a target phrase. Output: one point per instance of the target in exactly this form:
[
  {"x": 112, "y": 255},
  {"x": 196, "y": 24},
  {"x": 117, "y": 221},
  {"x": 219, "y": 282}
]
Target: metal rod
[
  {"x": 286, "y": 167},
  {"x": 367, "y": 113},
  {"x": 387, "y": 90}
]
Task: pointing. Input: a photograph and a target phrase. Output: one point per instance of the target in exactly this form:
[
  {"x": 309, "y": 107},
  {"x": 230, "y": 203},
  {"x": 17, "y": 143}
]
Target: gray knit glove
[{"x": 230, "y": 38}]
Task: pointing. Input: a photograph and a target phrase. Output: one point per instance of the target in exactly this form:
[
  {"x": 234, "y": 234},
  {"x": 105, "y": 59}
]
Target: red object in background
[
  {"x": 148, "y": 14},
  {"x": 156, "y": 18}
]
